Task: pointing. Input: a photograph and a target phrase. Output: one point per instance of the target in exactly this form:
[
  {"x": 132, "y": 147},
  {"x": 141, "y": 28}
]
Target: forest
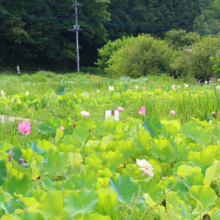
[{"x": 35, "y": 33}]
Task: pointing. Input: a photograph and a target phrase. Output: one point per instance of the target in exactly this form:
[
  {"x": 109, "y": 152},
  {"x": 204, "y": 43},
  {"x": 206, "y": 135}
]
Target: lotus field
[{"x": 60, "y": 159}]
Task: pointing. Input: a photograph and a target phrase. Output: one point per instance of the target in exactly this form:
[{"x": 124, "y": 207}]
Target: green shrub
[
  {"x": 195, "y": 61},
  {"x": 179, "y": 38},
  {"x": 144, "y": 56},
  {"x": 106, "y": 51}
]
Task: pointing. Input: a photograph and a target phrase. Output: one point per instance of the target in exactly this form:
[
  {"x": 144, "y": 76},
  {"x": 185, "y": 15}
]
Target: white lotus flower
[
  {"x": 27, "y": 93},
  {"x": 145, "y": 166},
  {"x": 179, "y": 87},
  {"x": 98, "y": 91},
  {"x": 210, "y": 121},
  {"x": 186, "y": 85},
  {"x": 3, "y": 93},
  {"x": 173, "y": 87},
  {"x": 218, "y": 87},
  {"x": 111, "y": 88},
  {"x": 206, "y": 82},
  {"x": 136, "y": 87},
  {"x": 85, "y": 114}
]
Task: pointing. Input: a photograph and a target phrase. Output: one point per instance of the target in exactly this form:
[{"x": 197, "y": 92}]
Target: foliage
[
  {"x": 179, "y": 38},
  {"x": 108, "y": 50},
  {"x": 206, "y": 23},
  {"x": 195, "y": 61},
  {"x": 89, "y": 171},
  {"x": 143, "y": 57}
]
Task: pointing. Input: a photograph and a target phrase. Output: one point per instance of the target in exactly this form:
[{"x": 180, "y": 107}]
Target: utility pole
[{"x": 76, "y": 28}]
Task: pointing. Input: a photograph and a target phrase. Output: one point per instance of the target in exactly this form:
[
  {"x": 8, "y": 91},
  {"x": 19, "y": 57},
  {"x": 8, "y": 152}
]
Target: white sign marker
[
  {"x": 18, "y": 69},
  {"x": 112, "y": 113}
]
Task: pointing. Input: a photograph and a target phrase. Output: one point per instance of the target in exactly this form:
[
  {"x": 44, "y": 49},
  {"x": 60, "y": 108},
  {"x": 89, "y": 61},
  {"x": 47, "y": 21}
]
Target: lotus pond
[{"x": 160, "y": 162}]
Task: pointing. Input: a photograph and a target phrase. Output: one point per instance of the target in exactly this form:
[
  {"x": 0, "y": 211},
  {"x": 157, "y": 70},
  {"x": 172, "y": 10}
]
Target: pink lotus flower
[
  {"x": 24, "y": 128},
  {"x": 142, "y": 111},
  {"x": 120, "y": 109},
  {"x": 11, "y": 154},
  {"x": 145, "y": 166},
  {"x": 21, "y": 160},
  {"x": 85, "y": 114},
  {"x": 172, "y": 112},
  {"x": 62, "y": 128}
]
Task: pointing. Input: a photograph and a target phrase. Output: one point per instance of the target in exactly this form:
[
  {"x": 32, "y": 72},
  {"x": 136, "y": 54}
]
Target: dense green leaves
[
  {"x": 80, "y": 202},
  {"x": 127, "y": 190}
]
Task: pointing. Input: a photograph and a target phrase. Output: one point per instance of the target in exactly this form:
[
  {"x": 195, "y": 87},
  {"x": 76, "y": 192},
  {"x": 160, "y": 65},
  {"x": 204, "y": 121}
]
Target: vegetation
[
  {"x": 34, "y": 34},
  {"x": 70, "y": 166}
]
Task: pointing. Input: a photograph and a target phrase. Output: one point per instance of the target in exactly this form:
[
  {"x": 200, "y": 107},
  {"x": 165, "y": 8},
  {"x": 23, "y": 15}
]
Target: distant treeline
[{"x": 34, "y": 33}]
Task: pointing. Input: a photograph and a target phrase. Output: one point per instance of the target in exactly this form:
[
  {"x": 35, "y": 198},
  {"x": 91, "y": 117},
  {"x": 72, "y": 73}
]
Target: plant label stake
[
  {"x": 18, "y": 69},
  {"x": 112, "y": 113}
]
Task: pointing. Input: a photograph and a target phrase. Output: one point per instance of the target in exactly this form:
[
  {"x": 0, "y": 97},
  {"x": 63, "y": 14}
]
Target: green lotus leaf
[
  {"x": 83, "y": 181},
  {"x": 75, "y": 158},
  {"x": 201, "y": 158},
  {"x": 59, "y": 134},
  {"x": 95, "y": 216},
  {"x": 127, "y": 189},
  {"x": 188, "y": 129},
  {"x": 28, "y": 201},
  {"x": 152, "y": 188},
  {"x": 9, "y": 217},
  {"x": 72, "y": 139},
  {"x": 212, "y": 173},
  {"x": 204, "y": 195},
  {"x": 193, "y": 179},
  {"x": 21, "y": 169},
  {"x": 39, "y": 195},
  {"x": 80, "y": 202},
  {"x": 133, "y": 171},
  {"x": 94, "y": 164},
  {"x": 186, "y": 214},
  {"x": 82, "y": 133},
  {"x": 26, "y": 215},
  {"x": 44, "y": 129},
  {"x": 157, "y": 149},
  {"x": 185, "y": 170},
  {"x": 177, "y": 165},
  {"x": 3, "y": 172},
  {"x": 104, "y": 173},
  {"x": 35, "y": 148},
  {"x": 10, "y": 206},
  {"x": 57, "y": 163},
  {"x": 126, "y": 148},
  {"x": 50, "y": 184},
  {"x": 61, "y": 90},
  {"x": 173, "y": 205},
  {"x": 202, "y": 136},
  {"x": 113, "y": 159},
  {"x": 180, "y": 150},
  {"x": 106, "y": 140},
  {"x": 16, "y": 185},
  {"x": 167, "y": 154},
  {"x": 106, "y": 205},
  {"x": 18, "y": 153},
  {"x": 143, "y": 141},
  {"x": 53, "y": 204},
  {"x": 153, "y": 126}
]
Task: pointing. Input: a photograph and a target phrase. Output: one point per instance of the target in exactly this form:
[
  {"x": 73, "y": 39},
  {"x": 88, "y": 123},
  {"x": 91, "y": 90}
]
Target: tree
[
  {"x": 179, "y": 38},
  {"x": 206, "y": 23}
]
